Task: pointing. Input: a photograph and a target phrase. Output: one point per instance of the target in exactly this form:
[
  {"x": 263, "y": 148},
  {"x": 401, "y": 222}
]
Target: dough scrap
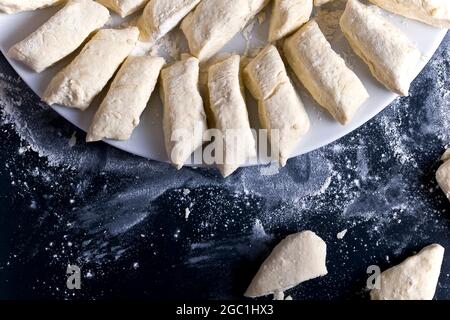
[
  {"x": 62, "y": 34},
  {"x": 120, "y": 111},
  {"x": 443, "y": 174},
  {"x": 288, "y": 16},
  {"x": 215, "y": 22},
  {"x": 77, "y": 84},
  {"x": 227, "y": 103},
  {"x": 161, "y": 16},
  {"x": 184, "y": 120},
  {"x": 446, "y": 155},
  {"x": 298, "y": 258},
  {"x": 14, "y": 6},
  {"x": 124, "y": 7},
  {"x": 280, "y": 108},
  {"x": 415, "y": 278},
  {"x": 390, "y": 55},
  {"x": 432, "y": 12},
  {"x": 324, "y": 73}
]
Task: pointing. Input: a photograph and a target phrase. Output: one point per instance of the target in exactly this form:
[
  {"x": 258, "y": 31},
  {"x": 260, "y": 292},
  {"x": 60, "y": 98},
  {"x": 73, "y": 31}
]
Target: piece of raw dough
[
  {"x": 443, "y": 174},
  {"x": 120, "y": 111},
  {"x": 161, "y": 16},
  {"x": 124, "y": 7},
  {"x": 77, "y": 84},
  {"x": 392, "y": 58},
  {"x": 13, "y": 6},
  {"x": 324, "y": 73},
  {"x": 288, "y": 16},
  {"x": 446, "y": 155},
  {"x": 280, "y": 108},
  {"x": 215, "y": 22},
  {"x": 62, "y": 34},
  {"x": 184, "y": 120},
  {"x": 227, "y": 103},
  {"x": 298, "y": 258},
  {"x": 432, "y": 12},
  {"x": 415, "y": 278}
]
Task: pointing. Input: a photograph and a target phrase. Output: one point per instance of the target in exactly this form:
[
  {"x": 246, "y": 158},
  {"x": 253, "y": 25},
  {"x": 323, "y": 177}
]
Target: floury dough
[
  {"x": 288, "y": 16},
  {"x": 227, "y": 103},
  {"x": 161, "y": 16},
  {"x": 280, "y": 109},
  {"x": 13, "y": 6},
  {"x": 392, "y": 58},
  {"x": 184, "y": 120},
  {"x": 432, "y": 12},
  {"x": 299, "y": 257},
  {"x": 124, "y": 7},
  {"x": 82, "y": 80},
  {"x": 120, "y": 111},
  {"x": 443, "y": 174},
  {"x": 415, "y": 278},
  {"x": 62, "y": 34},
  {"x": 215, "y": 22},
  {"x": 324, "y": 73}
]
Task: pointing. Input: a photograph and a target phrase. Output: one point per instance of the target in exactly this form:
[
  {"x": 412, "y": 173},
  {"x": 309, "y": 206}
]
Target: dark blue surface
[{"x": 122, "y": 218}]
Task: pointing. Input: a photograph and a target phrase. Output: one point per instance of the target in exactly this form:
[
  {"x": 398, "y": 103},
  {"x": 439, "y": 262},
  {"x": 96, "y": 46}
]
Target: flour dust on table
[{"x": 135, "y": 227}]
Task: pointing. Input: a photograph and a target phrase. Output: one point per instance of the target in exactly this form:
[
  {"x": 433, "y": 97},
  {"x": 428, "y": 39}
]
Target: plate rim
[{"x": 352, "y": 126}]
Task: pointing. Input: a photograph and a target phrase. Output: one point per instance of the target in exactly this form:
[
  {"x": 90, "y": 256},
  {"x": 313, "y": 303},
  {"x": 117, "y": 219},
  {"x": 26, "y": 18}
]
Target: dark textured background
[{"x": 122, "y": 218}]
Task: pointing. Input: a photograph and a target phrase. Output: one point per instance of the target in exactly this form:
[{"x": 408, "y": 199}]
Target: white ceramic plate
[{"x": 147, "y": 140}]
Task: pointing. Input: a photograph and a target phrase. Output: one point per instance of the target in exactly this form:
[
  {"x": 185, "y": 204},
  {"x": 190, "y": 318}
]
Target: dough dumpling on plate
[
  {"x": 84, "y": 78},
  {"x": 324, "y": 73},
  {"x": 288, "y": 16},
  {"x": 120, "y": 111},
  {"x": 61, "y": 35},
  {"x": 281, "y": 111},
  {"x": 214, "y": 23},
  {"x": 391, "y": 57},
  {"x": 124, "y": 7},
  {"x": 161, "y": 16},
  {"x": 13, "y": 6},
  {"x": 433, "y": 12},
  {"x": 184, "y": 117}
]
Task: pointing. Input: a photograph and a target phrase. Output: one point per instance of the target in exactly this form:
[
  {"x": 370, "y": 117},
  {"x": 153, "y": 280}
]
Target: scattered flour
[
  {"x": 368, "y": 181},
  {"x": 342, "y": 234}
]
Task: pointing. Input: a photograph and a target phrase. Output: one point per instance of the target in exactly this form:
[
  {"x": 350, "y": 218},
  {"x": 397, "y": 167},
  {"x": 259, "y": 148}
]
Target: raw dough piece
[
  {"x": 298, "y": 258},
  {"x": 288, "y": 16},
  {"x": 324, "y": 73},
  {"x": 227, "y": 104},
  {"x": 318, "y": 3},
  {"x": 161, "y": 16},
  {"x": 13, "y": 6},
  {"x": 127, "y": 98},
  {"x": 413, "y": 279},
  {"x": 432, "y": 12},
  {"x": 446, "y": 155},
  {"x": 184, "y": 120},
  {"x": 124, "y": 7},
  {"x": 443, "y": 174},
  {"x": 60, "y": 35},
  {"x": 390, "y": 55},
  {"x": 215, "y": 22},
  {"x": 77, "y": 84},
  {"x": 280, "y": 108}
]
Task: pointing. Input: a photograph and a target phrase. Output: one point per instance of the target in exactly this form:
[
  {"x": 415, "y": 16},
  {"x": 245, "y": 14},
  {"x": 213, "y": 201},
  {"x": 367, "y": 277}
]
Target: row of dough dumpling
[{"x": 211, "y": 24}]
